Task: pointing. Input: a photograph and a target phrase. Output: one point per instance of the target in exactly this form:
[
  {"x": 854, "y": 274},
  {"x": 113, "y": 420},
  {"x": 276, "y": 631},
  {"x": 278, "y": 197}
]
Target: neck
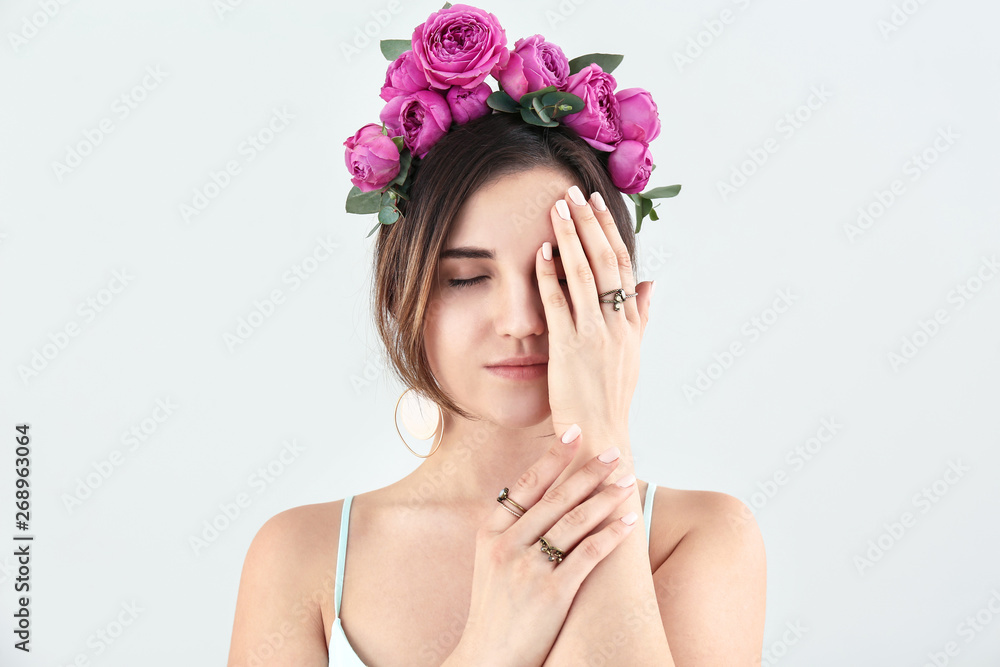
[{"x": 474, "y": 461}]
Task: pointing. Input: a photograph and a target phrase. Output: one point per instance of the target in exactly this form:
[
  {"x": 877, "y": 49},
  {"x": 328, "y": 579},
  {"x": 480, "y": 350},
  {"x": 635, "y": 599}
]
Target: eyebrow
[{"x": 472, "y": 252}]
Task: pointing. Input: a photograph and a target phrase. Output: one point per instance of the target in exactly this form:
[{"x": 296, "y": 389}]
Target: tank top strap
[
  {"x": 345, "y": 522},
  {"x": 647, "y": 508}
]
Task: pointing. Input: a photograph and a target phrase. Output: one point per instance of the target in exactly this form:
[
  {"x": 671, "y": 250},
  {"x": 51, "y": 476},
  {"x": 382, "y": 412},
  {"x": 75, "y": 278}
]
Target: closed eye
[{"x": 468, "y": 282}]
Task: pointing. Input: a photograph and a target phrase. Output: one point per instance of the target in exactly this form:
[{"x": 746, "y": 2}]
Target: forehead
[{"x": 511, "y": 210}]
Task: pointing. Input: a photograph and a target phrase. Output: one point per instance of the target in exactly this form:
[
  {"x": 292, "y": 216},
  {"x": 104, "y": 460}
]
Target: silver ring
[{"x": 618, "y": 299}]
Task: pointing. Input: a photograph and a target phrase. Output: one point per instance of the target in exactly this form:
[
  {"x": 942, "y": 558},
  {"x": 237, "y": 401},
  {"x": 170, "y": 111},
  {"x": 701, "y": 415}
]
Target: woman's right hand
[{"x": 520, "y": 599}]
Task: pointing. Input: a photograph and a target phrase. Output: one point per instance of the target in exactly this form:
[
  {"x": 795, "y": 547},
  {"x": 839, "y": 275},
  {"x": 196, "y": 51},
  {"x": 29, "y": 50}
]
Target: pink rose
[
  {"x": 421, "y": 118},
  {"x": 599, "y": 122},
  {"x": 639, "y": 118},
  {"x": 468, "y": 103},
  {"x": 459, "y": 46},
  {"x": 534, "y": 64},
  {"x": 630, "y": 165},
  {"x": 404, "y": 75},
  {"x": 372, "y": 158}
]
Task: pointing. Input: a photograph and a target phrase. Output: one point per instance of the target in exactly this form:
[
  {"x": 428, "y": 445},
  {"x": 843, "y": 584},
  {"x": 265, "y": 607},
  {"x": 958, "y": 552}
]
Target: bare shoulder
[
  {"x": 712, "y": 580},
  {"x": 284, "y": 585}
]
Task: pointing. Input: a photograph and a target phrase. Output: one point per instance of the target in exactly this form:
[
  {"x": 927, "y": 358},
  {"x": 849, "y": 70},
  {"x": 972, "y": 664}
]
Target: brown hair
[{"x": 467, "y": 158}]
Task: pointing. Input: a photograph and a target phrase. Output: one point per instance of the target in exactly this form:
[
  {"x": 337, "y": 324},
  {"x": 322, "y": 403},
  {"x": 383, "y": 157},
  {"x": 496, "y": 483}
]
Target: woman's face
[{"x": 499, "y": 314}]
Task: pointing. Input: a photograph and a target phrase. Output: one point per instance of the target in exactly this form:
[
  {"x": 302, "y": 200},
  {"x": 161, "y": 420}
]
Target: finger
[
  {"x": 644, "y": 302},
  {"x": 579, "y": 562},
  {"x": 580, "y": 278},
  {"x": 558, "y": 311},
  {"x": 550, "y": 505},
  {"x": 625, "y": 269},
  {"x": 579, "y": 521},
  {"x": 533, "y": 482},
  {"x": 602, "y": 262}
]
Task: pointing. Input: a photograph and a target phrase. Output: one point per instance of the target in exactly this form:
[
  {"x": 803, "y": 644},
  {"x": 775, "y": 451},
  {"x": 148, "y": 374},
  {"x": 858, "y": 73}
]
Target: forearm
[{"x": 614, "y": 618}]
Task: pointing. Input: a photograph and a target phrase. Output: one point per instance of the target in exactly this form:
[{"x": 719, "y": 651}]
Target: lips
[{"x": 527, "y": 360}]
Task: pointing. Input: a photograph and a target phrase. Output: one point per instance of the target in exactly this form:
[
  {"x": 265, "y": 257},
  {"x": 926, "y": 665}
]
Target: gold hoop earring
[{"x": 421, "y": 420}]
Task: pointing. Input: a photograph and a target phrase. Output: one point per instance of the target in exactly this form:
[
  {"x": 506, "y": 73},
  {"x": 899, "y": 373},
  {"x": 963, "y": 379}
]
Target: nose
[{"x": 518, "y": 311}]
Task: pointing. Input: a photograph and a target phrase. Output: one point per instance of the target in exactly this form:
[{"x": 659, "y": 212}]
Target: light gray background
[{"x": 313, "y": 372}]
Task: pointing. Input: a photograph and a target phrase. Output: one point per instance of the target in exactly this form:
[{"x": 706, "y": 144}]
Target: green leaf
[
  {"x": 400, "y": 145},
  {"x": 557, "y": 98},
  {"x": 607, "y": 61},
  {"x": 537, "y": 106},
  {"x": 653, "y": 215},
  {"x": 393, "y": 48},
  {"x": 388, "y": 215},
  {"x": 377, "y": 225},
  {"x": 501, "y": 101},
  {"x": 363, "y": 202},
  {"x": 525, "y": 100},
  {"x": 642, "y": 208},
  {"x": 662, "y": 192},
  {"x": 528, "y": 115},
  {"x": 446, "y": 5},
  {"x": 405, "y": 159}
]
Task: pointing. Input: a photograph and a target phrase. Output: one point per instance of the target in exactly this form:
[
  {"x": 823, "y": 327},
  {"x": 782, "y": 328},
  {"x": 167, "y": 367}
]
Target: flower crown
[{"x": 436, "y": 80}]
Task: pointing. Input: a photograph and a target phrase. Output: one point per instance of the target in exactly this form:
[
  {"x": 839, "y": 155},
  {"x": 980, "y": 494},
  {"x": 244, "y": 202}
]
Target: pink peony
[
  {"x": 630, "y": 165},
  {"x": 421, "y": 118},
  {"x": 599, "y": 122},
  {"x": 639, "y": 118},
  {"x": 404, "y": 75},
  {"x": 468, "y": 103},
  {"x": 460, "y": 46},
  {"x": 534, "y": 64},
  {"x": 371, "y": 157}
]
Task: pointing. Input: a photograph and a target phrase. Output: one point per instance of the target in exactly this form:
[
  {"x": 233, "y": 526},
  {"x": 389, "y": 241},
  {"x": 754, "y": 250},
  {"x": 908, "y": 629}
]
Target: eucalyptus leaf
[
  {"x": 607, "y": 62},
  {"x": 559, "y": 97},
  {"x": 446, "y": 5},
  {"x": 377, "y": 225},
  {"x": 528, "y": 115},
  {"x": 388, "y": 215},
  {"x": 537, "y": 105},
  {"x": 525, "y": 100},
  {"x": 662, "y": 192},
  {"x": 393, "y": 48},
  {"x": 363, "y": 202},
  {"x": 405, "y": 159},
  {"x": 501, "y": 101}
]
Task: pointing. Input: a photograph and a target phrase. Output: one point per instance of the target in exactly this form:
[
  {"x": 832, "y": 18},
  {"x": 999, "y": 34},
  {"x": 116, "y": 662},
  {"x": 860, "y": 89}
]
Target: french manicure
[
  {"x": 609, "y": 455},
  {"x": 571, "y": 434}
]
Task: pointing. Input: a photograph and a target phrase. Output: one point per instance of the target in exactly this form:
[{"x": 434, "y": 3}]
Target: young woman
[{"x": 505, "y": 295}]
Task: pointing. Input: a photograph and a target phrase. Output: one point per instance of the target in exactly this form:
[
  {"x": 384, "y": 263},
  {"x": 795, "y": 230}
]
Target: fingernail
[
  {"x": 610, "y": 454},
  {"x": 547, "y": 250},
  {"x": 630, "y": 518},
  {"x": 577, "y": 196},
  {"x": 598, "y": 201},
  {"x": 571, "y": 434},
  {"x": 627, "y": 480},
  {"x": 562, "y": 208}
]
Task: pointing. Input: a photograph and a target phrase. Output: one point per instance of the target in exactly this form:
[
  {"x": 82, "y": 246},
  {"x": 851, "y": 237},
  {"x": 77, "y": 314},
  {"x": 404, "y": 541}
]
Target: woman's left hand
[{"x": 593, "y": 349}]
